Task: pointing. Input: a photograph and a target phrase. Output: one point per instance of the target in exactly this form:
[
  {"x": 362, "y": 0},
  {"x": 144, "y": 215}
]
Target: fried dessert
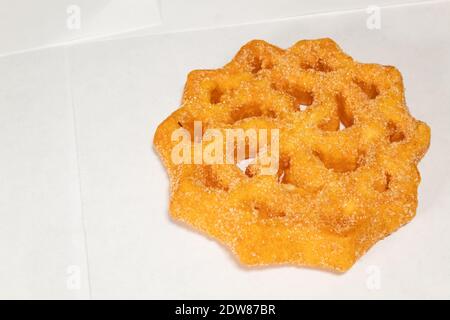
[{"x": 346, "y": 174}]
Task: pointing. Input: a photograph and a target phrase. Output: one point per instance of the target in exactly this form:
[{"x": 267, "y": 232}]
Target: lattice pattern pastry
[{"x": 349, "y": 150}]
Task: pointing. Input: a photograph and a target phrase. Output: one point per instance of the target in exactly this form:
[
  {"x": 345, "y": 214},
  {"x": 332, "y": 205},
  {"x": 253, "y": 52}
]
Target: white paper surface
[
  {"x": 26, "y": 24},
  {"x": 94, "y": 112},
  {"x": 181, "y": 15},
  {"x": 123, "y": 89},
  {"x": 42, "y": 244}
]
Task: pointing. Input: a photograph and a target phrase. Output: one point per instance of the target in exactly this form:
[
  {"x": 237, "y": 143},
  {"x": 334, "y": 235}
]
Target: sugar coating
[{"x": 349, "y": 150}]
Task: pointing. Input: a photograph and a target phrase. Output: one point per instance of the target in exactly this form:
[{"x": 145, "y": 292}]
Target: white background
[
  {"x": 27, "y": 24},
  {"x": 83, "y": 197}
]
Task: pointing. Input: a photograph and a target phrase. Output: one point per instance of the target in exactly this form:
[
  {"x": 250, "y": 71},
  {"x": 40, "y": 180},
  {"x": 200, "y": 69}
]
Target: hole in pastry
[
  {"x": 265, "y": 212},
  {"x": 370, "y": 90},
  {"x": 211, "y": 180},
  {"x": 382, "y": 185},
  {"x": 251, "y": 171},
  {"x": 345, "y": 118},
  {"x": 246, "y": 167},
  {"x": 338, "y": 163},
  {"x": 323, "y": 67},
  {"x": 245, "y": 153},
  {"x": 255, "y": 65},
  {"x": 283, "y": 167},
  {"x": 216, "y": 95},
  {"x": 250, "y": 165},
  {"x": 303, "y": 98},
  {"x": 282, "y": 175},
  {"x": 302, "y": 107},
  {"x": 246, "y": 111},
  {"x": 270, "y": 114},
  {"x": 319, "y": 65},
  {"x": 395, "y": 135}
]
